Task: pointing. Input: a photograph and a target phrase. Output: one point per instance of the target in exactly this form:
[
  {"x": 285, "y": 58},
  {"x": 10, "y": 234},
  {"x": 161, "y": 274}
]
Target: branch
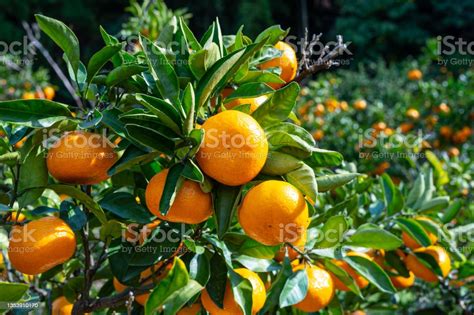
[
  {"x": 324, "y": 61},
  {"x": 37, "y": 44}
]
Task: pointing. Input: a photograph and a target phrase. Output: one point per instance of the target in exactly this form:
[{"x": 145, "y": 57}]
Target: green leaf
[
  {"x": 100, "y": 58},
  {"x": 442, "y": 176},
  {"x": 324, "y": 158},
  {"x": 200, "y": 268},
  {"x": 163, "y": 73},
  {"x": 333, "y": 231},
  {"x": 428, "y": 191},
  {"x": 222, "y": 72},
  {"x": 249, "y": 90},
  {"x": 202, "y": 60},
  {"x": 176, "y": 279},
  {"x": 435, "y": 205},
  {"x": 415, "y": 230},
  {"x": 290, "y": 137},
  {"x": 189, "y": 36},
  {"x": 63, "y": 36},
  {"x": 122, "y": 73},
  {"x": 258, "y": 264},
  {"x": 216, "y": 286},
  {"x": 86, "y": 200},
  {"x": 192, "y": 172},
  {"x": 374, "y": 237},
  {"x": 278, "y": 163},
  {"x": 452, "y": 211},
  {"x": 330, "y": 182},
  {"x": 273, "y": 296},
  {"x": 372, "y": 272},
  {"x": 150, "y": 138},
  {"x": 189, "y": 104},
  {"x": 165, "y": 112},
  {"x": 12, "y": 292},
  {"x": 242, "y": 290},
  {"x": 303, "y": 178},
  {"x": 174, "y": 181},
  {"x": 124, "y": 205},
  {"x": 295, "y": 289},
  {"x": 417, "y": 191},
  {"x": 259, "y": 76},
  {"x": 33, "y": 113},
  {"x": 393, "y": 196},
  {"x": 226, "y": 199},
  {"x": 274, "y": 34},
  {"x": 131, "y": 157},
  {"x": 33, "y": 173},
  {"x": 278, "y": 107},
  {"x": 181, "y": 296}
]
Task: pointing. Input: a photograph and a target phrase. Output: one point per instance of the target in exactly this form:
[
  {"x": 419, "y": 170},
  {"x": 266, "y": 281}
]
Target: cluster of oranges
[{"x": 46, "y": 93}]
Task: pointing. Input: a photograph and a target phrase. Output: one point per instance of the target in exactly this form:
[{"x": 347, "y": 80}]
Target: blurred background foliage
[{"x": 388, "y": 29}]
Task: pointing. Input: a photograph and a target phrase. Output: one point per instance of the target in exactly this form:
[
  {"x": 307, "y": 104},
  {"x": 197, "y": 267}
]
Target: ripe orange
[
  {"x": 381, "y": 168},
  {"x": 360, "y": 105},
  {"x": 413, "y": 114},
  {"x": 320, "y": 289},
  {"x": 274, "y": 212},
  {"x": 446, "y": 132},
  {"x": 287, "y": 62},
  {"x": 453, "y": 151},
  {"x": 41, "y": 245},
  {"x": 344, "y": 106},
  {"x": 81, "y": 157},
  {"x": 191, "y": 205},
  {"x": 360, "y": 280},
  {"x": 423, "y": 272},
  {"x": 319, "y": 110},
  {"x": 190, "y": 310},
  {"x": 49, "y": 92},
  {"x": 61, "y": 306},
  {"x": 145, "y": 276},
  {"x": 292, "y": 254},
  {"x": 234, "y": 149},
  {"x": 230, "y": 305},
  {"x": 401, "y": 282},
  {"x": 414, "y": 75},
  {"x": 254, "y": 102},
  {"x": 413, "y": 244},
  {"x": 444, "y": 108}
]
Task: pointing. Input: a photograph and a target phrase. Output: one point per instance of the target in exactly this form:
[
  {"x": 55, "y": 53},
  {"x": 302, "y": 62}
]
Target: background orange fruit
[
  {"x": 190, "y": 310},
  {"x": 41, "y": 245},
  {"x": 191, "y": 205},
  {"x": 234, "y": 149},
  {"x": 412, "y": 243},
  {"x": 274, "y": 212},
  {"x": 360, "y": 280},
  {"x": 320, "y": 289},
  {"x": 287, "y": 62},
  {"x": 61, "y": 306},
  {"x": 81, "y": 157}
]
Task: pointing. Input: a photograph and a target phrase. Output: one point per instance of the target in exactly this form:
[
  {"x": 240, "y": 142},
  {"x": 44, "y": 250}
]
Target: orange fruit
[
  {"x": 401, "y": 282},
  {"x": 414, "y": 75},
  {"x": 360, "y": 105},
  {"x": 81, "y": 157},
  {"x": 20, "y": 143},
  {"x": 146, "y": 274},
  {"x": 453, "y": 151},
  {"x": 379, "y": 126},
  {"x": 319, "y": 110},
  {"x": 423, "y": 272},
  {"x": 191, "y": 205},
  {"x": 381, "y": 168},
  {"x": 274, "y": 212},
  {"x": 446, "y": 131},
  {"x": 413, "y": 244},
  {"x": 405, "y": 127},
  {"x": 61, "y": 306},
  {"x": 287, "y": 62},
  {"x": 41, "y": 245},
  {"x": 230, "y": 305},
  {"x": 318, "y": 135},
  {"x": 344, "y": 106},
  {"x": 234, "y": 148},
  {"x": 15, "y": 217},
  {"x": 444, "y": 108},
  {"x": 292, "y": 254},
  {"x": 28, "y": 96},
  {"x": 320, "y": 289},
  {"x": 190, "y": 310},
  {"x": 254, "y": 102},
  {"x": 49, "y": 92},
  {"x": 388, "y": 132},
  {"x": 412, "y": 114},
  {"x": 359, "y": 280}
]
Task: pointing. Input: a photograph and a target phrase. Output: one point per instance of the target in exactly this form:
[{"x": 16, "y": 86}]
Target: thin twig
[{"x": 37, "y": 44}]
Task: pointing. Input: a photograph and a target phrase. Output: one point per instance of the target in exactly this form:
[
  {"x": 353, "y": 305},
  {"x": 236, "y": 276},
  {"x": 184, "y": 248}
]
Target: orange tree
[{"x": 152, "y": 195}]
